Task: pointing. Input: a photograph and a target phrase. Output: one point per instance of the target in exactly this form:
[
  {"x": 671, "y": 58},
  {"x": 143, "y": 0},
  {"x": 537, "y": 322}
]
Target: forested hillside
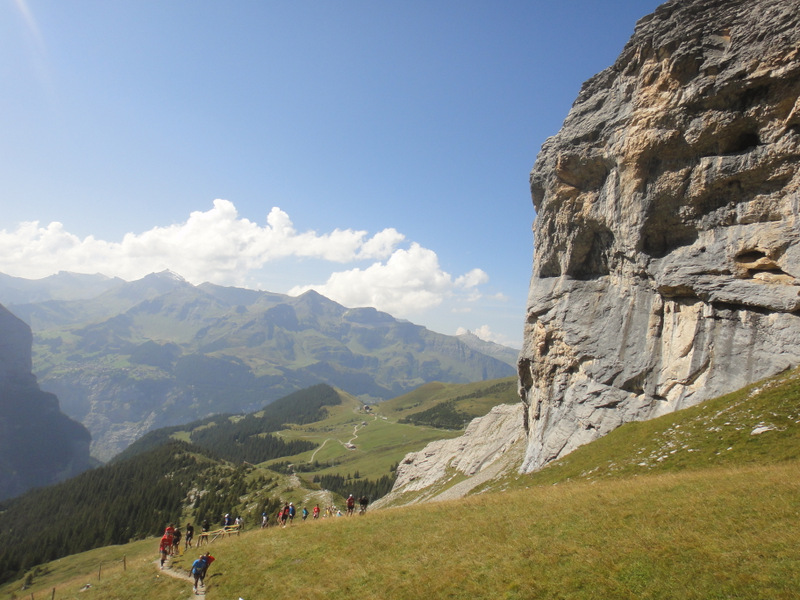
[
  {"x": 317, "y": 437},
  {"x": 130, "y": 499},
  {"x": 240, "y": 438},
  {"x": 109, "y": 505}
]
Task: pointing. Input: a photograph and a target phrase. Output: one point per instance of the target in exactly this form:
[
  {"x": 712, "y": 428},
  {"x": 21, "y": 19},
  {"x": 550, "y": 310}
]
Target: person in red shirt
[
  {"x": 209, "y": 559},
  {"x": 169, "y": 533},
  {"x": 164, "y": 547}
]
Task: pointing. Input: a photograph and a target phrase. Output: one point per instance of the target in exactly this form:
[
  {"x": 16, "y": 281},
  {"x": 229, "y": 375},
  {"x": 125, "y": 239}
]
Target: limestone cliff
[
  {"x": 437, "y": 471},
  {"x": 667, "y": 241},
  {"x": 39, "y": 445}
]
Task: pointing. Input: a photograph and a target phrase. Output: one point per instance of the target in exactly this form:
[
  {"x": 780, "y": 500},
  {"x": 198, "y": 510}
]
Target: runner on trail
[
  {"x": 209, "y": 559},
  {"x": 351, "y": 505},
  {"x": 189, "y": 536},
  {"x": 305, "y": 513},
  {"x": 169, "y": 533},
  {"x": 203, "y": 533},
  {"x": 291, "y": 512},
  {"x": 363, "y": 502},
  {"x": 316, "y": 511},
  {"x": 176, "y": 542},
  {"x": 198, "y": 571},
  {"x": 164, "y": 547}
]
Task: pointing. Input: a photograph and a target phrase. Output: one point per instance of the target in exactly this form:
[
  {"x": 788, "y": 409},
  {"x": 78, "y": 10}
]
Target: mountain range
[{"x": 128, "y": 357}]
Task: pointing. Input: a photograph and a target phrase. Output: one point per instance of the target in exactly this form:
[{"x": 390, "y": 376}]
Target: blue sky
[{"x": 377, "y": 151}]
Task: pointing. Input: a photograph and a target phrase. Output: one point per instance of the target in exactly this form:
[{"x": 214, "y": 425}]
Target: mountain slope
[
  {"x": 39, "y": 444},
  {"x": 759, "y": 424},
  {"x": 206, "y": 468},
  {"x": 160, "y": 352},
  {"x": 714, "y": 523}
]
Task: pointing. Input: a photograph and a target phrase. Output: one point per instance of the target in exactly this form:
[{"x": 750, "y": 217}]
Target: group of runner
[
  {"x": 171, "y": 540},
  {"x": 286, "y": 514},
  {"x": 170, "y": 546}
]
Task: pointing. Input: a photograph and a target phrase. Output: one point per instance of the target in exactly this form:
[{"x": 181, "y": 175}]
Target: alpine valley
[{"x": 128, "y": 357}]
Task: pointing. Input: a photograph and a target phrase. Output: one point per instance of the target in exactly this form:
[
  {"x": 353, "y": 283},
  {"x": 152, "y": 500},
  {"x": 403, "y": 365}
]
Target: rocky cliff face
[
  {"x": 479, "y": 454},
  {"x": 39, "y": 445},
  {"x": 667, "y": 240}
]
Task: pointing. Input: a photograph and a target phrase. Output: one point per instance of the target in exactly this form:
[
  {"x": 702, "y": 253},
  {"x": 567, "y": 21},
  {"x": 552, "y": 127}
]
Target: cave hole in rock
[
  {"x": 744, "y": 142},
  {"x": 756, "y": 261},
  {"x": 659, "y": 238},
  {"x": 590, "y": 253}
]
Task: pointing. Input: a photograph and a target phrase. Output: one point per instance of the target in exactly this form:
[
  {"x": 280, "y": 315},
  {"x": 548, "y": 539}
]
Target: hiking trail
[{"x": 178, "y": 573}]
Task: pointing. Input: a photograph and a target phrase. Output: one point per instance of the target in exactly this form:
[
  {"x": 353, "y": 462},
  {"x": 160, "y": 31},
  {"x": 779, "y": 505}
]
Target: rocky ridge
[
  {"x": 667, "y": 259},
  {"x": 427, "y": 475}
]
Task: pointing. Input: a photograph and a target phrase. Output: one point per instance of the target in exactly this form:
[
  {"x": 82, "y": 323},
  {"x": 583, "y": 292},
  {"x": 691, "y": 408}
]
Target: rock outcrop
[
  {"x": 428, "y": 474},
  {"x": 39, "y": 445},
  {"x": 667, "y": 240}
]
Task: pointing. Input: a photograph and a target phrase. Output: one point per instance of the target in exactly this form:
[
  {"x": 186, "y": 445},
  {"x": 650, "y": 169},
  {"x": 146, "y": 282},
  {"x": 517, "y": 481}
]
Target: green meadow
[{"x": 699, "y": 504}]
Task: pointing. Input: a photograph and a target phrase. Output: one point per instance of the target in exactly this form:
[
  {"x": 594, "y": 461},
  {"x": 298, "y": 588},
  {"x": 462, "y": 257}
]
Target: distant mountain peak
[{"x": 166, "y": 274}]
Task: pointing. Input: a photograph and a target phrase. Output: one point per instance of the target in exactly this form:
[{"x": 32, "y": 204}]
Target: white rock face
[
  {"x": 667, "y": 260},
  {"x": 485, "y": 441}
]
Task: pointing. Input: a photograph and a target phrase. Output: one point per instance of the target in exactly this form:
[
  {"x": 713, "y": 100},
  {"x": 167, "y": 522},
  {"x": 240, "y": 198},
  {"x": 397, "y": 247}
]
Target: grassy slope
[
  {"x": 691, "y": 505},
  {"x": 719, "y": 432},
  {"x": 727, "y": 532},
  {"x": 383, "y": 442}
]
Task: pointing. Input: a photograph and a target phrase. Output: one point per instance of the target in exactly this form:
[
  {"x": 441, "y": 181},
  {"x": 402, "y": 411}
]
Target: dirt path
[{"x": 178, "y": 573}]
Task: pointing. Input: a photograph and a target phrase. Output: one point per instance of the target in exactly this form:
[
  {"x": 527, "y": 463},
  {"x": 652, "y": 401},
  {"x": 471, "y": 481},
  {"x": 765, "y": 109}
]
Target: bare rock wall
[{"x": 667, "y": 240}]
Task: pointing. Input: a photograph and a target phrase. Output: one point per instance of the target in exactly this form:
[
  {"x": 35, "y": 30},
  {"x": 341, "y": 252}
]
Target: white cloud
[
  {"x": 221, "y": 247},
  {"x": 472, "y": 279},
  {"x": 410, "y": 281},
  {"x": 216, "y": 245}
]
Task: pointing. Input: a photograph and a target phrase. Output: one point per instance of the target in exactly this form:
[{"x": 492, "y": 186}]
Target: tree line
[
  {"x": 346, "y": 485},
  {"x": 109, "y": 505}
]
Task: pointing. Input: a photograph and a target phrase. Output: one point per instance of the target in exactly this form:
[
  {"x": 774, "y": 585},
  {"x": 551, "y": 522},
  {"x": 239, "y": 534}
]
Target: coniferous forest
[
  {"x": 109, "y": 505},
  {"x": 246, "y": 438}
]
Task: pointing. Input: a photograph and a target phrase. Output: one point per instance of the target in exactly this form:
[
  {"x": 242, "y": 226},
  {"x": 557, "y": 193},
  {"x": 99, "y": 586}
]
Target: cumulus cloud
[
  {"x": 411, "y": 280},
  {"x": 221, "y": 247},
  {"x": 216, "y": 245}
]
